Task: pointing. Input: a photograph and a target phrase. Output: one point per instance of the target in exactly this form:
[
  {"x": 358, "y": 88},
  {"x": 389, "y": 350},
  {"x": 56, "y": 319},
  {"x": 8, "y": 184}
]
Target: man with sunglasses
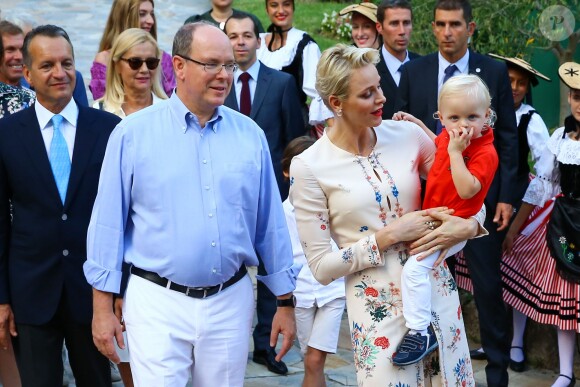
[
  {"x": 188, "y": 197},
  {"x": 50, "y": 159}
]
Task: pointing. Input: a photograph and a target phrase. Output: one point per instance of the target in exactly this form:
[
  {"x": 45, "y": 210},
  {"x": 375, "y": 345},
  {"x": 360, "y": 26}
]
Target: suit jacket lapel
[
  {"x": 384, "y": 72},
  {"x": 231, "y": 100},
  {"x": 85, "y": 138},
  {"x": 262, "y": 87},
  {"x": 31, "y": 137},
  {"x": 432, "y": 79},
  {"x": 474, "y": 67}
]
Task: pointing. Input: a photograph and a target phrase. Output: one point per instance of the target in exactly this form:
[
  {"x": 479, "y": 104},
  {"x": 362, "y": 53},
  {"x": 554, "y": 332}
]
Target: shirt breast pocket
[{"x": 240, "y": 185}]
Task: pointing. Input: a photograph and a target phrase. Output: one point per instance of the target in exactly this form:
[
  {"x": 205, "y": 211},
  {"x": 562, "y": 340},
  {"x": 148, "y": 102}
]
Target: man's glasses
[
  {"x": 213, "y": 68},
  {"x": 136, "y": 63}
]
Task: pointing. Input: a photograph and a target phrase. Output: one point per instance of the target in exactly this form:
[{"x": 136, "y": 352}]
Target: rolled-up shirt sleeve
[{"x": 106, "y": 233}]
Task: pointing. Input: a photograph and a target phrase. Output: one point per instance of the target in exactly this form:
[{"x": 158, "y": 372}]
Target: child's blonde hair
[{"x": 468, "y": 86}]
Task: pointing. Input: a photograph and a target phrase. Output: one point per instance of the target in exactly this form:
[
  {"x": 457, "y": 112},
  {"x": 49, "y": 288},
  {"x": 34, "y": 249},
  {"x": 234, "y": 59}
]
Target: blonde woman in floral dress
[{"x": 359, "y": 185}]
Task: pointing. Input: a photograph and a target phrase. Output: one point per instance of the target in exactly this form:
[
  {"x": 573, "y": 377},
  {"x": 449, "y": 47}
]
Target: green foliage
[
  {"x": 335, "y": 26},
  {"x": 504, "y": 27}
]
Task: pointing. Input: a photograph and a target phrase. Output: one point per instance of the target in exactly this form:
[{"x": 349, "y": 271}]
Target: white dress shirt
[
  {"x": 537, "y": 132},
  {"x": 68, "y": 126},
  {"x": 254, "y": 70},
  {"x": 393, "y": 64},
  {"x": 462, "y": 68},
  {"x": 285, "y": 55}
]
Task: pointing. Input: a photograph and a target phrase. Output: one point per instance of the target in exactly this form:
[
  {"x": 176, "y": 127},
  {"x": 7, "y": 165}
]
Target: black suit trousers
[{"x": 38, "y": 350}]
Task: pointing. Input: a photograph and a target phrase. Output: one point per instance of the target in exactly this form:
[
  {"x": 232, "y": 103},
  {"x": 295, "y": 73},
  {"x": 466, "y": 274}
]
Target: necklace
[{"x": 373, "y": 159}]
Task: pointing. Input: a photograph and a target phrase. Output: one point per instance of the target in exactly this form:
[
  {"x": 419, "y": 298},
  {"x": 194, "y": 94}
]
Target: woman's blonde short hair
[
  {"x": 124, "y": 14},
  {"x": 335, "y": 68},
  {"x": 115, "y": 90}
]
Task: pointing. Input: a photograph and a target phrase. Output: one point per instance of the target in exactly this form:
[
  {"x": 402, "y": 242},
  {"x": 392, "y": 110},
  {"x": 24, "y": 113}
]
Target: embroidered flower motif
[
  {"x": 364, "y": 348},
  {"x": 382, "y": 342},
  {"x": 444, "y": 280},
  {"x": 379, "y": 303},
  {"x": 459, "y": 312},
  {"x": 292, "y": 180},
  {"x": 375, "y": 163},
  {"x": 347, "y": 255},
  {"x": 324, "y": 221},
  {"x": 562, "y": 239},
  {"x": 455, "y": 338},
  {"x": 364, "y": 228},
  {"x": 371, "y": 292},
  {"x": 463, "y": 372}
]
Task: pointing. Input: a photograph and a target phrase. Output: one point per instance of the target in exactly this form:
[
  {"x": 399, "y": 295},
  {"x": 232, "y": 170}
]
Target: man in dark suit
[
  {"x": 421, "y": 81},
  {"x": 395, "y": 24},
  {"x": 271, "y": 100},
  {"x": 50, "y": 160}
]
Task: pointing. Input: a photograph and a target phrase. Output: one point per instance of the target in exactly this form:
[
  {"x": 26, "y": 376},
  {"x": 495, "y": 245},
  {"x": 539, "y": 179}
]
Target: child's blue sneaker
[{"x": 415, "y": 347}]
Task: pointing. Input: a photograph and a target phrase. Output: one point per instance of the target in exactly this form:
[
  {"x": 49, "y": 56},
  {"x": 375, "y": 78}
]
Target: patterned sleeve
[
  {"x": 167, "y": 75},
  {"x": 546, "y": 185},
  {"x": 312, "y": 218},
  {"x": 98, "y": 80}
]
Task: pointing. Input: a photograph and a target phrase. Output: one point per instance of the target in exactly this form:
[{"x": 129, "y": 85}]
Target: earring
[
  {"x": 339, "y": 113},
  {"x": 436, "y": 116}
]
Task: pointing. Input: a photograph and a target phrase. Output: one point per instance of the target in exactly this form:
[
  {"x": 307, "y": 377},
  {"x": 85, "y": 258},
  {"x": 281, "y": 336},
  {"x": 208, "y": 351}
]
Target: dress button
[
  {"x": 65, "y": 252},
  {"x": 210, "y": 215},
  {"x": 204, "y": 161},
  {"x": 213, "y": 244},
  {"x": 214, "y": 271},
  {"x": 64, "y": 217},
  {"x": 207, "y": 187}
]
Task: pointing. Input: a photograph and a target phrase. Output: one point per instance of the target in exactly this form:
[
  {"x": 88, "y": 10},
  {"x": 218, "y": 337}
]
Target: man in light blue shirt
[{"x": 188, "y": 196}]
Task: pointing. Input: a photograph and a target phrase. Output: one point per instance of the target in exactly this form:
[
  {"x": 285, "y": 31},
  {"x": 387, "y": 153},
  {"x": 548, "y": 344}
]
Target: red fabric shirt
[{"x": 480, "y": 159}]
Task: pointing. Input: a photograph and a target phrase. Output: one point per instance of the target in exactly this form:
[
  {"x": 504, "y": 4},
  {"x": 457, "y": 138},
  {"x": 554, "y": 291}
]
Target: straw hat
[
  {"x": 524, "y": 66},
  {"x": 569, "y": 73},
  {"x": 366, "y": 9}
]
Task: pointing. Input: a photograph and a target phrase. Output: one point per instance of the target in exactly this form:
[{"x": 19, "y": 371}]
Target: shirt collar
[
  {"x": 188, "y": 120},
  {"x": 462, "y": 64},
  {"x": 70, "y": 113},
  {"x": 391, "y": 61},
  {"x": 253, "y": 71}
]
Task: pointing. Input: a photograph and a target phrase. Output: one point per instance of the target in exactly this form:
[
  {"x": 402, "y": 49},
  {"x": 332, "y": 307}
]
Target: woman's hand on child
[{"x": 453, "y": 230}]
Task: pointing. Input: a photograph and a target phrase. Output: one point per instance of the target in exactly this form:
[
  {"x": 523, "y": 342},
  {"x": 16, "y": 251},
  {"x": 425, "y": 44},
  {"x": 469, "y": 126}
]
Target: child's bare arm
[
  {"x": 465, "y": 183},
  {"x": 402, "y": 116}
]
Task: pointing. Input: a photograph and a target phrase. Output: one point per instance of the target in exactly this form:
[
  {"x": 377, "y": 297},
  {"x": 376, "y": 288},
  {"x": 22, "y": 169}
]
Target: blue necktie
[
  {"x": 449, "y": 71},
  {"x": 59, "y": 157}
]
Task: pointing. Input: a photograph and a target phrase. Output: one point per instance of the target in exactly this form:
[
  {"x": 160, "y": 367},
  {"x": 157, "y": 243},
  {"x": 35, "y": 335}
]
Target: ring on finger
[{"x": 430, "y": 224}]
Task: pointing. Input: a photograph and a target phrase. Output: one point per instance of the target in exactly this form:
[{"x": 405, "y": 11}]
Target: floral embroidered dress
[
  {"x": 348, "y": 198},
  {"x": 532, "y": 284},
  {"x": 13, "y": 99}
]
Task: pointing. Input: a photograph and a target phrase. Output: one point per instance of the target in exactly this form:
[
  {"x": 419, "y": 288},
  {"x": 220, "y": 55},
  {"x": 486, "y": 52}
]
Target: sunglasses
[{"x": 136, "y": 63}]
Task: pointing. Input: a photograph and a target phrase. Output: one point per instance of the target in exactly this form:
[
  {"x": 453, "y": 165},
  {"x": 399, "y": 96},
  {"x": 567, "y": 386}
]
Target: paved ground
[{"x": 84, "y": 21}]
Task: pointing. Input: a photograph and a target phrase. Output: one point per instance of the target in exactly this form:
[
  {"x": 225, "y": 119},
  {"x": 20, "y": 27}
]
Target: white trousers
[
  {"x": 416, "y": 288},
  {"x": 173, "y": 336}
]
